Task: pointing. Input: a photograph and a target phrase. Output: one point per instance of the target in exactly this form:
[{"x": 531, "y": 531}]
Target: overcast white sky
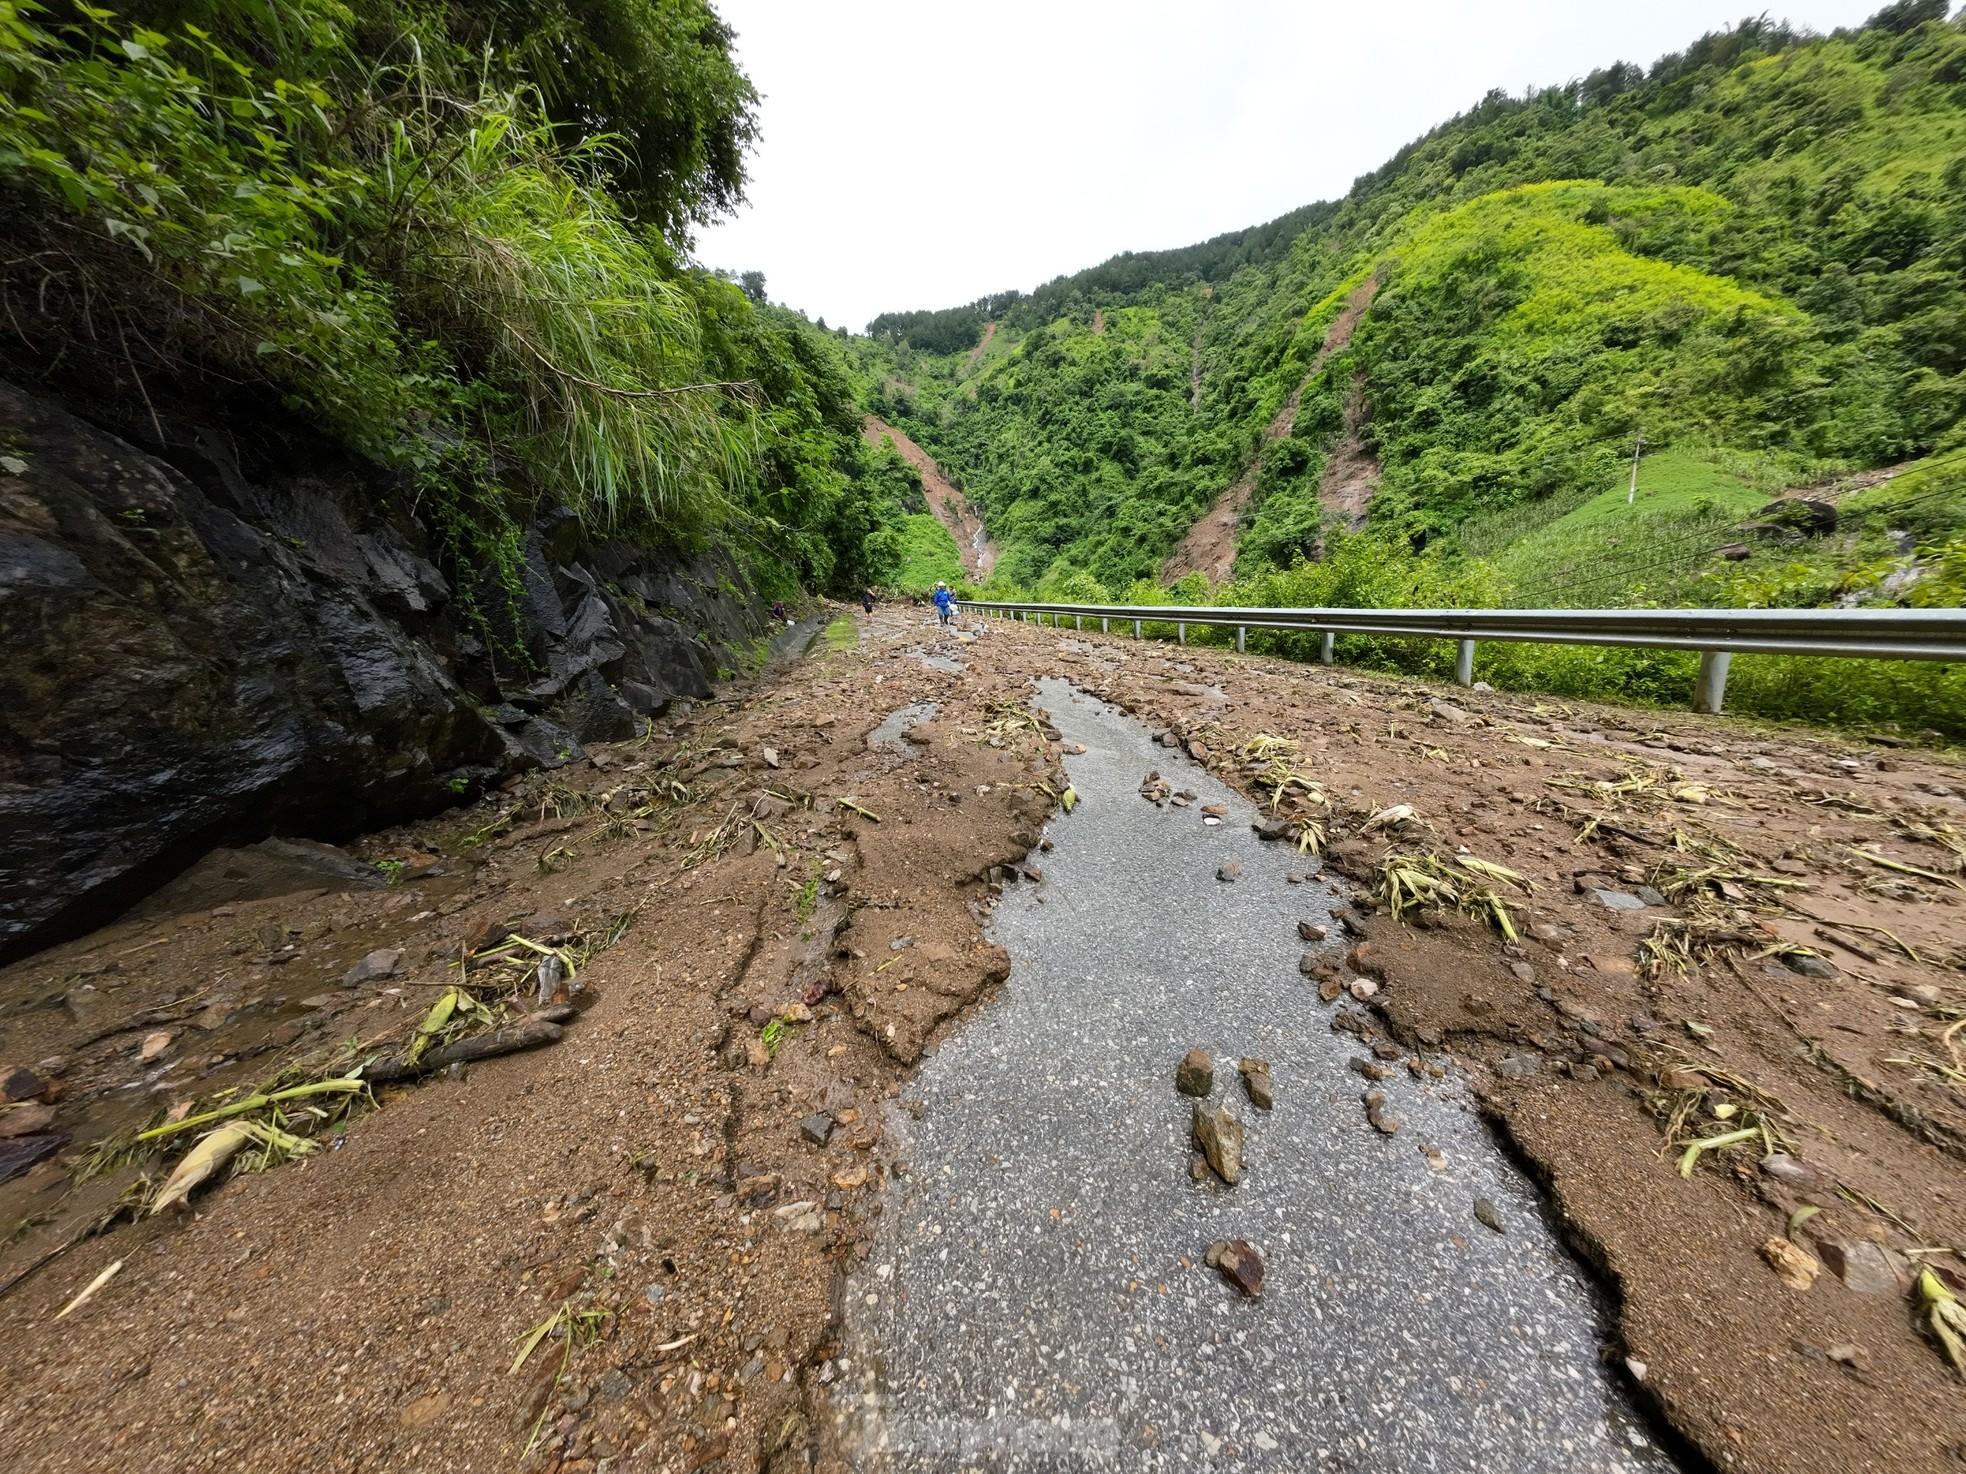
[{"x": 919, "y": 153}]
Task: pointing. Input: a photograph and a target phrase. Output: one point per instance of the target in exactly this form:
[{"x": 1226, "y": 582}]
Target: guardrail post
[
  {"x": 1711, "y": 688},
  {"x": 1105, "y": 627},
  {"x": 1239, "y": 633},
  {"x": 1181, "y": 631},
  {"x": 1327, "y": 648},
  {"x": 1464, "y": 664},
  {"x": 1136, "y": 630}
]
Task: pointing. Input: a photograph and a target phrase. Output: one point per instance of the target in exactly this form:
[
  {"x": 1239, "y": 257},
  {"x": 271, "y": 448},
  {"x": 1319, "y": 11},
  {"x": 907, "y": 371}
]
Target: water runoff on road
[{"x": 1037, "y": 1299}]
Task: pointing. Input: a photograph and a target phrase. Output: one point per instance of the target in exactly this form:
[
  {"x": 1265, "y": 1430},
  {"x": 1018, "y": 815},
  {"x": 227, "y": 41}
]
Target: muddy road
[{"x": 848, "y": 1135}]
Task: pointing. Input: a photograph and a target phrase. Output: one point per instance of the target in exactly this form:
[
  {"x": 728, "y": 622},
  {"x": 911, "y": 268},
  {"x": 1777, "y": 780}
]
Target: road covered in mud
[
  {"x": 806, "y": 1095},
  {"x": 1037, "y": 1288}
]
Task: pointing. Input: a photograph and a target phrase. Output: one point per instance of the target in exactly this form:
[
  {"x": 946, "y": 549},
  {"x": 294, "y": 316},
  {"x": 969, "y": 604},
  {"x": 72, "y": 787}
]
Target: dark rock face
[{"x": 196, "y": 657}]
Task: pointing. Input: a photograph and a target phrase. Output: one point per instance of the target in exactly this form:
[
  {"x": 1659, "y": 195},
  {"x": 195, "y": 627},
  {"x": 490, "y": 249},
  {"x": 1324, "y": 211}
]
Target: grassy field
[{"x": 1604, "y": 553}]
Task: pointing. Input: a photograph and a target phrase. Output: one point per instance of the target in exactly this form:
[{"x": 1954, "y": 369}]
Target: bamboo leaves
[
  {"x": 216, "y": 1149},
  {"x": 1415, "y": 882}
]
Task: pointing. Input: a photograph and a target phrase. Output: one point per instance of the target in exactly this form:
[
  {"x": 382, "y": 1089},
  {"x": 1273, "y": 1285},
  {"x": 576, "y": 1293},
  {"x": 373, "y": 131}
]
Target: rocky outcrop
[{"x": 199, "y": 654}]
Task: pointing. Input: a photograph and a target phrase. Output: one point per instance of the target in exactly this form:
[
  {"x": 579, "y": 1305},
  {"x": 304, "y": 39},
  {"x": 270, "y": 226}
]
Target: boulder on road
[
  {"x": 1195, "y": 1075},
  {"x": 1219, "y": 1135},
  {"x": 1240, "y": 1264}
]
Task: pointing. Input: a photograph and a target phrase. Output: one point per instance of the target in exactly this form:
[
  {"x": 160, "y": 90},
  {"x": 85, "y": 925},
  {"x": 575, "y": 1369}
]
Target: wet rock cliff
[{"x": 202, "y": 643}]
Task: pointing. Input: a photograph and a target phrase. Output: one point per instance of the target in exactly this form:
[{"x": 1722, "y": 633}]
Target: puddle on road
[
  {"x": 945, "y": 663},
  {"x": 1025, "y": 1305},
  {"x": 888, "y": 733}
]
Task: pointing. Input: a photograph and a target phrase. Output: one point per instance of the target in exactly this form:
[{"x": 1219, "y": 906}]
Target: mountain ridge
[{"x": 1754, "y": 249}]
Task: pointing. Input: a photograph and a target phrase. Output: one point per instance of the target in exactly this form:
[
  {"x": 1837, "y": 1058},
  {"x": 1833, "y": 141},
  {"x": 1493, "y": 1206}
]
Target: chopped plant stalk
[
  {"x": 1412, "y": 882},
  {"x": 1952, "y": 1074},
  {"x": 1730, "y": 885},
  {"x": 581, "y": 1328},
  {"x": 1690, "y": 1158},
  {"x": 341, "y": 1085},
  {"x": 529, "y": 1342},
  {"x": 1904, "y": 869},
  {"x": 216, "y": 1149},
  {"x": 1390, "y": 818},
  {"x": 1493, "y": 871},
  {"x": 1935, "y": 832},
  {"x": 868, "y": 814},
  {"x": 434, "y": 1022},
  {"x": 1484, "y": 902},
  {"x": 89, "y": 1291},
  {"x": 1799, "y": 1217},
  {"x": 1264, "y": 747},
  {"x": 1944, "y": 1317}
]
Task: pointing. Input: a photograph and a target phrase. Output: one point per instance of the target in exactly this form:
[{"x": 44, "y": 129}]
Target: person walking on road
[
  {"x": 945, "y": 604},
  {"x": 867, "y": 600}
]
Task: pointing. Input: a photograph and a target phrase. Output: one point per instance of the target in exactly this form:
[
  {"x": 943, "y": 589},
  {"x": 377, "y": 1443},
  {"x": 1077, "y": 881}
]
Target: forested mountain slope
[
  {"x": 364, "y": 422},
  {"x": 1752, "y": 254}
]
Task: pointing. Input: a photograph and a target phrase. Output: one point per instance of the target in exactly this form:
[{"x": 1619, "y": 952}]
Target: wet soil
[
  {"x": 1837, "y": 1027},
  {"x": 1050, "y": 1194},
  {"x": 653, "y": 1180},
  {"x": 656, "y": 1182}
]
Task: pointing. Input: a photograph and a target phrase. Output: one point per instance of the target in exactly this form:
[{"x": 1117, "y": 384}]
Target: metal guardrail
[{"x": 1718, "y": 634}]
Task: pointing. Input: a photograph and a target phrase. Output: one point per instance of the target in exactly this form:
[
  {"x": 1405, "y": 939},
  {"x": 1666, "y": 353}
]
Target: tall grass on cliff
[
  {"x": 512, "y": 247},
  {"x": 375, "y": 210}
]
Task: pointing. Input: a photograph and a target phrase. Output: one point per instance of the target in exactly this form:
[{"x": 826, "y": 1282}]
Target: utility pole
[{"x": 1631, "y": 495}]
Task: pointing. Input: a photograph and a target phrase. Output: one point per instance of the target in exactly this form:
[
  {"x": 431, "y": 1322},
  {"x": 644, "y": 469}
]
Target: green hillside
[
  {"x": 1753, "y": 254},
  {"x": 1769, "y": 261}
]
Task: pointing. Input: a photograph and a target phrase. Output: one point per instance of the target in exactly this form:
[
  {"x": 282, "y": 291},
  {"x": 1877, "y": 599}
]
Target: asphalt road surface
[{"x": 1027, "y": 1305}]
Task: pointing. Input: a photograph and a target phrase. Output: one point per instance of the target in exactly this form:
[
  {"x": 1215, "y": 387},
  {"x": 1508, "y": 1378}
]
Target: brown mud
[
  {"x": 945, "y": 499},
  {"x": 1785, "y": 974},
  {"x": 653, "y": 1179},
  {"x": 679, "y": 1182}
]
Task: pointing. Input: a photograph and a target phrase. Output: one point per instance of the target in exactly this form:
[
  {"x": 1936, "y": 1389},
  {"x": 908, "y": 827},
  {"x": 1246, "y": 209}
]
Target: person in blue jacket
[{"x": 945, "y": 603}]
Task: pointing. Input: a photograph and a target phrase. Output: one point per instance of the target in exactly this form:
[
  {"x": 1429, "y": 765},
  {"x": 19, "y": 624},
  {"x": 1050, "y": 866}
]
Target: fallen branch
[
  {"x": 339, "y": 1086},
  {"x": 529, "y": 1033}
]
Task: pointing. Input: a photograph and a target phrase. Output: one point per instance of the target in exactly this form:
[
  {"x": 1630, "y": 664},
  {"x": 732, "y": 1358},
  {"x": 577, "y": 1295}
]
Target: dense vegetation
[
  {"x": 451, "y": 233},
  {"x": 1753, "y": 254}
]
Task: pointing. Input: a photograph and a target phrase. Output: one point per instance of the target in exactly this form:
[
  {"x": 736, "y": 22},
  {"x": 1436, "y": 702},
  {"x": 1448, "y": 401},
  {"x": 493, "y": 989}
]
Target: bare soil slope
[
  {"x": 945, "y": 499},
  {"x": 1210, "y": 545},
  {"x": 982, "y": 346},
  {"x": 1351, "y": 471}
]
